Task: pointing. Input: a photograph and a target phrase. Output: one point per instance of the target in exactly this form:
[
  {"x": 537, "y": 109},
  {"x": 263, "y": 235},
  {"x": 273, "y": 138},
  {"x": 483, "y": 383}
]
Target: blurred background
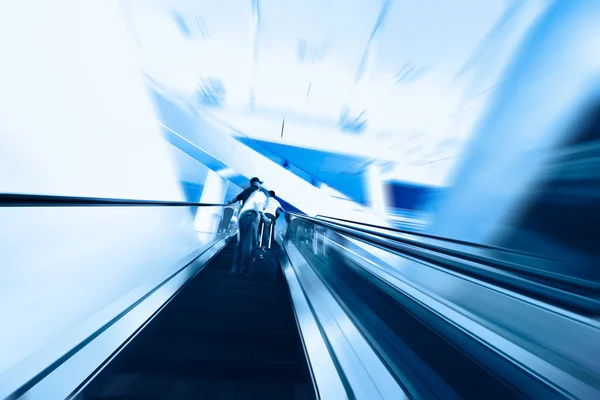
[
  {"x": 474, "y": 120},
  {"x": 471, "y": 120}
]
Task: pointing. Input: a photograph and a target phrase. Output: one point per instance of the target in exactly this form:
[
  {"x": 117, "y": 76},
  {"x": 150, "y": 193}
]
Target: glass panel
[{"x": 67, "y": 271}]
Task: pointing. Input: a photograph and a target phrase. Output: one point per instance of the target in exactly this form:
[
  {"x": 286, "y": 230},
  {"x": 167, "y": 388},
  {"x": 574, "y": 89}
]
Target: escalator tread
[
  {"x": 155, "y": 386},
  {"x": 222, "y": 337}
]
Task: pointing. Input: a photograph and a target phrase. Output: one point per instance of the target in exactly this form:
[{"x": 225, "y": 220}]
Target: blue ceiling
[{"x": 344, "y": 173}]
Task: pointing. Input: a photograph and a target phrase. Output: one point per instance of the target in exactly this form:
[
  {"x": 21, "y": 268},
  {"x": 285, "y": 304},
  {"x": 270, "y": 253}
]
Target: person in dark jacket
[
  {"x": 255, "y": 184},
  {"x": 253, "y": 201}
]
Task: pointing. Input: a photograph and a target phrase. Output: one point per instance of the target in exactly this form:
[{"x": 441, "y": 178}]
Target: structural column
[{"x": 375, "y": 189}]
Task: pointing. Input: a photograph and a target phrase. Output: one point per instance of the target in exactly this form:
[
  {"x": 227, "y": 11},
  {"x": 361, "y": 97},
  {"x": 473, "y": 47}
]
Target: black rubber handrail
[
  {"x": 443, "y": 239},
  {"x": 335, "y": 220},
  {"x": 511, "y": 266},
  {"x": 39, "y": 200},
  {"x": 520, "y": 278}
]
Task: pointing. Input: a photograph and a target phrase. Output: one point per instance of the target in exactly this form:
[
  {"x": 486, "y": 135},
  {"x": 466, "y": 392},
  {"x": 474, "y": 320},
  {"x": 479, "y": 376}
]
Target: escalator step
[
  {"x": 156, "y": 386},
  {"x": 232, "y": 325},
  {"x": 223, "y": 336},
  {"x": 236, "y": 306},
  {"x": 275, "y": 337},
  {"x": 225, "y": 277},
  {"x": 217, "y": 358},
  {"x": 224, "y": 292}
]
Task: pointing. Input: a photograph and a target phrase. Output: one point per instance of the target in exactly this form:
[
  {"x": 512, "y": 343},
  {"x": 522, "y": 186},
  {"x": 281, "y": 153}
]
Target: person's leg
[
  {"x": 238, "y": 252},
  {"x": 227, "y": 214},
  {"x": 252, "y": 242},
  {"x": 235, "y": 268},
  {"x": 243, "y": 247},
  {"x": 255, "y": 231}
]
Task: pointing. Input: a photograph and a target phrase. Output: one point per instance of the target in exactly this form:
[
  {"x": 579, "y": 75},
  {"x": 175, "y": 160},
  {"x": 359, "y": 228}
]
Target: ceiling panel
[
  {"x": 438, "y": 33},
  {"x": 307, "y": 62},
  {"x": 415, "y": 58},
  {"x": 309, "y": 53},
  {"x": 311, "y": 44},
  {"x": 342, "y": 172},
  {"x": 312, "y": 161},
  {"x": 218, "y": 46}
]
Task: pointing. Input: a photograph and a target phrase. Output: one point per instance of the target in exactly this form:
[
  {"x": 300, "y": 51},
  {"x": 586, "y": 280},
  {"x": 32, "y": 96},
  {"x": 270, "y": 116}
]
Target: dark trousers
[
  {"x": 248, "y": 223},
  {"x": 227, "y": 214}
]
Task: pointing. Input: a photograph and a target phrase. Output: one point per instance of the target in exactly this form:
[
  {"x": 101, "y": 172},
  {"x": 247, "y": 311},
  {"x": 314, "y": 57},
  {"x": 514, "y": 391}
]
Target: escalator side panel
[{"x": 430, "y": 366}]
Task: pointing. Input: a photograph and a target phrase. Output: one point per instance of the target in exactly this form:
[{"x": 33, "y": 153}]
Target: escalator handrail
[
  {"x": 39, "y": 200},
  {"x": 442, "y": 238},
  {"x": 495, "y": 262},
  {"x": 507, "y": 275},
  {"x": 509, "y": 266},
  {"x": 445, "y": 319}
]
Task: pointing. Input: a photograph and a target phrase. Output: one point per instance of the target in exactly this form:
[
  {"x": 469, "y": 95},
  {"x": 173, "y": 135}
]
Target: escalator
[
  {"x": 426, "y": 364},
  {"x": 223, "y": 337},
  {"x": 428, "y": 353}
]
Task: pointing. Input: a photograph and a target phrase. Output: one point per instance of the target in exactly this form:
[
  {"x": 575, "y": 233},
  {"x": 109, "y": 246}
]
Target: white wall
[{"x": 75, "y": 119}]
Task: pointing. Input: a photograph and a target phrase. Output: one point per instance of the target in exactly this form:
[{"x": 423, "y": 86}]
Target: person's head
[
  {"x": 255, "y": 182},
  {"x": 272, "y": 193}
]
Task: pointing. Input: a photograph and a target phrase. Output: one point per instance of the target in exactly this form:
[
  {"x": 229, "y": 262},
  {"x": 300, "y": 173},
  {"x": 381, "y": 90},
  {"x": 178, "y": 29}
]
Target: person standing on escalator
[
  {"x": 254, "y": 203},
  {"x": 272, "y": 212},
  {"x": 273, "y": 208},
  {"x": 255, "y": 184}
]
